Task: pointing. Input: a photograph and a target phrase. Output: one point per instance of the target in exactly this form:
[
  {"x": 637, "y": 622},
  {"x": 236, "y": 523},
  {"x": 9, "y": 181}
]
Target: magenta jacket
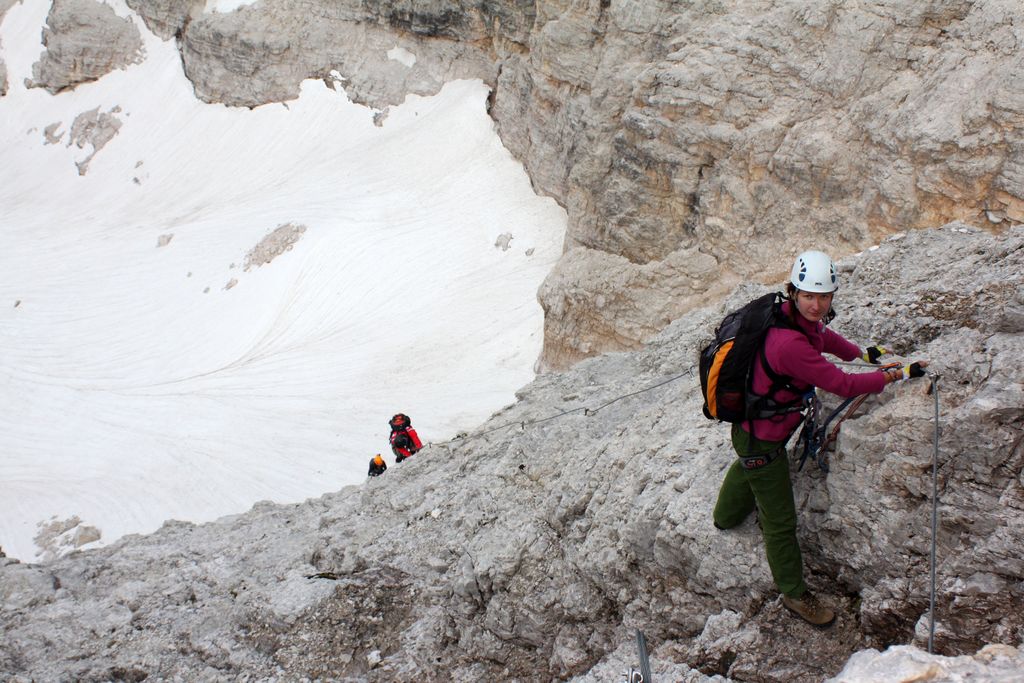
[{"x": 798, "y": 355}]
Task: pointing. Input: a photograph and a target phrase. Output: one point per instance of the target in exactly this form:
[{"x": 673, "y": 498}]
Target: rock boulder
[{"x": 85, "y": 40}]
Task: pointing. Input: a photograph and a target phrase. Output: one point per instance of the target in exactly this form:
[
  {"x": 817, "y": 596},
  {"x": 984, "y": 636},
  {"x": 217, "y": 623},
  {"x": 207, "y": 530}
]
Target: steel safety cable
[
  {"x": 523, "y": 424},
  {"x": 935, "y": 516},
  {"x": 592, "y": 411}
]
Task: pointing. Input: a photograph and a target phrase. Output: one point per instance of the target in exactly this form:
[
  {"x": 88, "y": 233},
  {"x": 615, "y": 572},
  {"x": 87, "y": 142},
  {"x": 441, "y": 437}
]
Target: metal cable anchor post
[
  {"x": 645, "y": 662},
  {"x": 935, "y": 516}
]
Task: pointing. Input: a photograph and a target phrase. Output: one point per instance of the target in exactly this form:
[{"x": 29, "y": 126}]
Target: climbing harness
[{"x": 817, "y": 438}]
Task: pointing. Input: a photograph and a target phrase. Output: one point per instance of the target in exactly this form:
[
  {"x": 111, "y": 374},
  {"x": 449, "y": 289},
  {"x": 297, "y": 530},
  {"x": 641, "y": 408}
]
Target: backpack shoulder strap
[{"x": 778, "y": 381}]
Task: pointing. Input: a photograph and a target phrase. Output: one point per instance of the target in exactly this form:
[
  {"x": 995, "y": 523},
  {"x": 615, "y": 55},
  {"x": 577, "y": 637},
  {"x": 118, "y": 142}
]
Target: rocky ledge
[{"x": 533, "y": 548}]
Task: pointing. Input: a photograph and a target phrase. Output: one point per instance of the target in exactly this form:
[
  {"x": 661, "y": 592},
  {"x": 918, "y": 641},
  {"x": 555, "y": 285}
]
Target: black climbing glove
[
  {"x": 873, "y": 353},
  {"x": 913, "y": 370}
]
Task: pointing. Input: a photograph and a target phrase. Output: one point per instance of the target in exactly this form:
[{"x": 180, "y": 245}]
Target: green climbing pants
[{"x": 771, "y": 491}]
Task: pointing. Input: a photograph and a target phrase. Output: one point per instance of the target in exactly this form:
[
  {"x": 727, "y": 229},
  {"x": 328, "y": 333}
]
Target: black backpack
[
  {"x": 399, "y": 421},
  {"x": 727, "y": 364},
  {"x": 401, "y": 439}
]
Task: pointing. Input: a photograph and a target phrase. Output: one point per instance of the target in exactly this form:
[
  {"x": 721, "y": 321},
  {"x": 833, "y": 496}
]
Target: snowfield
[{"x": 229, "y": 304}]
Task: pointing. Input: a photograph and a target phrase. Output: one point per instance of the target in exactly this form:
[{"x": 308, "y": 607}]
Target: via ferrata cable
[{"x": 935, "y": 515}]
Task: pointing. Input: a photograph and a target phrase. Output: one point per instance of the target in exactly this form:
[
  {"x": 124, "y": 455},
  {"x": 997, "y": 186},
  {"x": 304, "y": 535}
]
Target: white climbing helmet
[{"x": 813, "y": 271}]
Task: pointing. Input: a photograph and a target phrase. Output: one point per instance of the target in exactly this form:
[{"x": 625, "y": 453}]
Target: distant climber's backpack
[
  {"x": 727, "y": 364},
  {"x": 399, "y": 421},
  {"x": 400, "y": 439}
]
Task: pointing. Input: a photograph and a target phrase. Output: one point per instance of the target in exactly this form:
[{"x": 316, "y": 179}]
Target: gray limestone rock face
[
  {"x": 754, "y": 130},
  {"x": 85, "y": 40},
  {"x": 585, "y": 314},
  {"x": 746, "y": 131},
  {"x": 94, "y": 129},
  {"x": 533, "y": 547},
  {"x": 261, "y": 53},
  {"x": 993, "y": 663}
]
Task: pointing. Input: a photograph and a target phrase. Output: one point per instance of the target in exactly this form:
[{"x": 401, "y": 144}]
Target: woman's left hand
[{"x": 873, "y": 353}]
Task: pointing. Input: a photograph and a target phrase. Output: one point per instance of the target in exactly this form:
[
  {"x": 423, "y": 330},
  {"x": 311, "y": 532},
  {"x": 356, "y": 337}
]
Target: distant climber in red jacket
[{"x": 404, "y": 440}]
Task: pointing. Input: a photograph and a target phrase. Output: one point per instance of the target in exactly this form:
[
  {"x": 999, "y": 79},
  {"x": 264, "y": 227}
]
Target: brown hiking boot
[{"x": 809, "y": 609}]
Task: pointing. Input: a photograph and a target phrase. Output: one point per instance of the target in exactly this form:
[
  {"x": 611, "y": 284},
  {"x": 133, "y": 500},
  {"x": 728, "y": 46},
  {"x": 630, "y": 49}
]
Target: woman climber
[{"x": 759, "y": 477}]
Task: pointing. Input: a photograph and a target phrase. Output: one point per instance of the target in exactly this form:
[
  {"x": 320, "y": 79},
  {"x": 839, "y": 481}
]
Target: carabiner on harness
[
  {"x": 817, "y": 438},
  {"x": 813, "y": 406},
  {"x": 817, "y": 445}
]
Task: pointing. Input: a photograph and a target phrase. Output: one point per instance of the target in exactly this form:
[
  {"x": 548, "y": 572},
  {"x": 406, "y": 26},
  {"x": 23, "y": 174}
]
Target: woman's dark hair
[{"x": 791, "y": 291}]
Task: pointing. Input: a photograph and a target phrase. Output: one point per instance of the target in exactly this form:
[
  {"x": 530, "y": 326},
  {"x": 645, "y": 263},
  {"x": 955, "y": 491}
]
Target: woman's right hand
[{"x": 915, "y": 369}]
